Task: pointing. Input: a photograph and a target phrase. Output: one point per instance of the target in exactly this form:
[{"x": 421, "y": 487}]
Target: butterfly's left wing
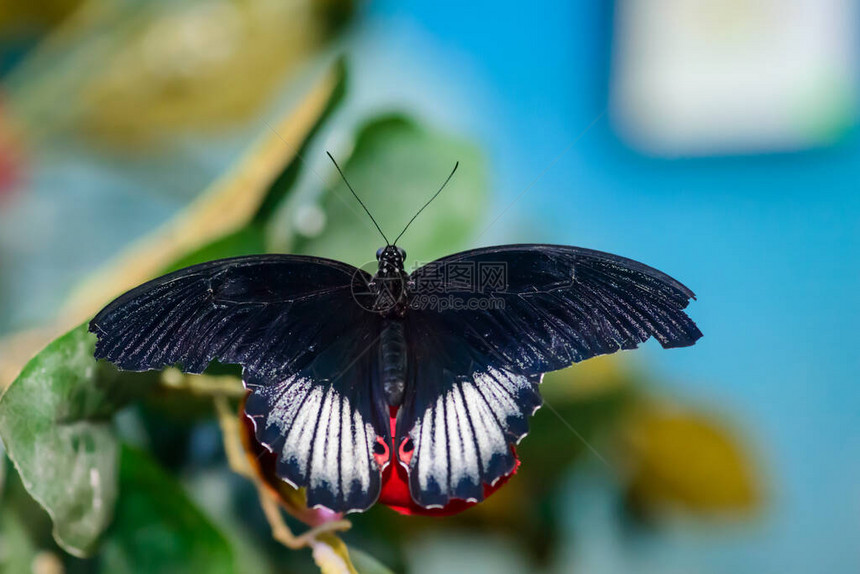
[
  {"x": 308, "y": 353},
  {"x": 328, "y": 423},
  {"x": 484, "y": 325}
]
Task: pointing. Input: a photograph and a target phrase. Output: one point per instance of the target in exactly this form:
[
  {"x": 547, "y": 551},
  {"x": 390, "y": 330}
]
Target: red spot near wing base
[
  {"x": 395, "y": 484},
  {"x": 381, "y": 452}
]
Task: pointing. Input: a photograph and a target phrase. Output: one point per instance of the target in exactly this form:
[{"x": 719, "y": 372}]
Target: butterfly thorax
[{"x": 389, "y": 283}]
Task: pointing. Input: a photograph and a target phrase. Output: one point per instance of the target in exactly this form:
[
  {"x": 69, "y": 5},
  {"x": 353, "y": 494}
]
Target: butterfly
[{"x": 454, "y": 352}]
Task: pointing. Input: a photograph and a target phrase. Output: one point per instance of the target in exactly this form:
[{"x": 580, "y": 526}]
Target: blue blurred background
[
  {"x": 769, "y": 240},
  {"x": 729, "y": 160}
]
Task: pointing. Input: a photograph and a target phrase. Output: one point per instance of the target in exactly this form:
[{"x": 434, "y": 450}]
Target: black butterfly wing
[
  {"x": 262, "y": 312},
  {"x": 325, "y": 421},
  {"x": 485, "y": 324},
  {"x": 460, "y": 414},
  {"x": 539, "y": 308},
  {"x": 306, "y": 347}
]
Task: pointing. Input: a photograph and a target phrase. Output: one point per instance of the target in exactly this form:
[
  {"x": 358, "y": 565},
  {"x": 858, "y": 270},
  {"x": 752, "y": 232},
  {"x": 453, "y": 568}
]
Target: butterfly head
[{"x": 391, "y": 259}]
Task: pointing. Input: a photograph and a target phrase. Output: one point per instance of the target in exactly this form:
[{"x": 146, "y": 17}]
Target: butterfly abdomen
[{"x": 392, "y": 361}]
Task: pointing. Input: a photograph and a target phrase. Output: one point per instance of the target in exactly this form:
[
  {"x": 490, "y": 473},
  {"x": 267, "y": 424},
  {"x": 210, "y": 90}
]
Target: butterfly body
[
  {"x": 393, "y": 360},
  {"x": 454, "y": 351}
]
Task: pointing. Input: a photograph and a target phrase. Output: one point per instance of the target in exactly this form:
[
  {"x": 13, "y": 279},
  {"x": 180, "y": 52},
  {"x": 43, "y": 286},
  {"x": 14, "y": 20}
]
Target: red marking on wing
[
  {"x": 395, "y": 484},
  {"x": 381, "y": 452}
]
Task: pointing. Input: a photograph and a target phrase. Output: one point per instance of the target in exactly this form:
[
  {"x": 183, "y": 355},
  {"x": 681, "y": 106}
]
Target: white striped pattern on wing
[
  {"x": 326, "y": 440},
  {"x": 462, "y": 440}
]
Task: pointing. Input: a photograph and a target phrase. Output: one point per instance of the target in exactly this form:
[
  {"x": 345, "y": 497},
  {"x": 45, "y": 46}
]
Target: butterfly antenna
[
  {"x": 340, "y": 171},
  {"x": 456, "y": 165}
]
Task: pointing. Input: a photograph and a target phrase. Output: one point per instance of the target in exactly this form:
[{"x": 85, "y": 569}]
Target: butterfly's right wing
[
  {"x": 460, "y": 416},
  {"x": 484, "y": 325},
  {"x": 306, "y": 347},
  {"x": 539, "y": 308}
]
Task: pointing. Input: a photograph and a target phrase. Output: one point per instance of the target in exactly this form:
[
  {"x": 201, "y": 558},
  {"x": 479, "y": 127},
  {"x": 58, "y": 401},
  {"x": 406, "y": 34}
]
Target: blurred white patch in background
[{"x": 716, "y": 77}]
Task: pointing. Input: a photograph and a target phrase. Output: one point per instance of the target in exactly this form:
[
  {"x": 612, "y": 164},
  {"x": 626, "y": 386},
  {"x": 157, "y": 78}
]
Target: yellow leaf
[
  {"x": 129, "y": 73},
  {"x": 198, "y": 65},
  {"x": 681, "y": 458},
  {"x": 586, "y": 380},
  {"x": 29, "y": 18},
  {"x": 332, "y": 555}
]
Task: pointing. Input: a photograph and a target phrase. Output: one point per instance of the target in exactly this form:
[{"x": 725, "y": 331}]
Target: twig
[{"x": 229, "y": 422}]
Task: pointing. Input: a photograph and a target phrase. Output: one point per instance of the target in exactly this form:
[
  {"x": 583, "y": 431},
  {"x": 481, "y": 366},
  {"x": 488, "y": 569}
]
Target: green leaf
[
  {"x": 16, "y": 548},
  {"x": 396, "y": 167},
  {"x": 366, "y": 564},
  {"x": 158, "y": 528},
  {"x": 55, "y": 420},
  {"x": 3, "y": 464}
]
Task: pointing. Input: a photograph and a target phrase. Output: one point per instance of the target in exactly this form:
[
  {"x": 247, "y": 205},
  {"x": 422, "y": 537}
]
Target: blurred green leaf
[
  {"x": 397, "y": 165},
  {"x": 28, "y": 528},
  {"x": 565, "y": 429},
  {"x": 55, "y": 420},
  {"x": 366, "y": 564},
  {"x": 158, "y": 528},
  {"x": 17, "y": 550},
  {"x": 3, "y": 464}
]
